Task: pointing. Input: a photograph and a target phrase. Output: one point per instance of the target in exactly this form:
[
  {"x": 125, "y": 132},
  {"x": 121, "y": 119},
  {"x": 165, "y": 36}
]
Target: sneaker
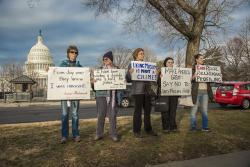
[
  {"x": 77, "y": 139},
  {"x": 115, "y": 138},
  {"x": 193, "y": 129},
  {"x": 138, "y": 135},
  {"x": 97, "y": 138},
  {"x": 206, "y": 130},
  {"x": 166, "y": 130},
  {"x": 63, "y": 140},
  {"x": 152, "y": 133}
]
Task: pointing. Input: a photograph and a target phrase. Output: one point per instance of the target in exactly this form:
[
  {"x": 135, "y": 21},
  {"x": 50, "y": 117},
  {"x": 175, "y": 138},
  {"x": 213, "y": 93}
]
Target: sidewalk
[
  {"x": 238, "y": 159},
  {"x": 46, "y": 103}
]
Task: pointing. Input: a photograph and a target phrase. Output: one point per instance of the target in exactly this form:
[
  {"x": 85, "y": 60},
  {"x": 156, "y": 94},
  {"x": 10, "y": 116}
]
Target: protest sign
[
  {"x": 143, "y": 71},
  {"x": 175, "y": 81},
  {"x": 68, "y": 83},
  {"x": 109, "y": 79},
  {"x": 206, "y": 73}
]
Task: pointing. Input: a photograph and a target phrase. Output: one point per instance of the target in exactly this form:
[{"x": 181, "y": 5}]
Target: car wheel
[
  {"x": 222, "y": 104},
  {"x": 125, "y": 102},
  {"x": 245, "y": 103}
]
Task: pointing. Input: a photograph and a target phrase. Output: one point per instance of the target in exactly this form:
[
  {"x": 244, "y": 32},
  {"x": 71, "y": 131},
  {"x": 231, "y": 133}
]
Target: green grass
[{"x": 37, "y": 144}]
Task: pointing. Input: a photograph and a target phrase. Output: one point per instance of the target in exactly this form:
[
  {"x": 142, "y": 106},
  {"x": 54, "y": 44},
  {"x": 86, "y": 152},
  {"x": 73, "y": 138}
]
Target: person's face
[
  {"x": 200, "y": 60},
  {"x": 140, "y": 56},
  {"x": 107, "y": 61},
  {"x": 169, "y": 63},
  {"x": 72, "y": 55}
]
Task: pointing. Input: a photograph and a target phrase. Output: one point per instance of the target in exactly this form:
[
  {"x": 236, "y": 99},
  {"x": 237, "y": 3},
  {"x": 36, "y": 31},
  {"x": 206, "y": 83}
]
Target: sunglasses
[{"x": 74, "y": 52}]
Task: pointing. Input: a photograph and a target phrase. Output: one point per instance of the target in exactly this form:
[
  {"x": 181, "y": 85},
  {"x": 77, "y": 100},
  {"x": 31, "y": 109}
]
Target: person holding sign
[
  {"x": 106, "y": 104},
  {"x": 200, "y": 92},
  {"x": 168, "y": 116},
  {"x": 73, "y": 105},
  {"x": 140, "y": 91}
]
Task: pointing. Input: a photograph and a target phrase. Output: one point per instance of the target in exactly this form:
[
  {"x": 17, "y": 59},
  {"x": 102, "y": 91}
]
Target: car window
[
  {"x": 226, "y": 87},
  {"x": 245, "y": 87}
]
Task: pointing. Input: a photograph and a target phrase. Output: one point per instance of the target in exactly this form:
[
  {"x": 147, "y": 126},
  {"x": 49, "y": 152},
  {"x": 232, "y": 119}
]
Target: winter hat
[{"x": 108, "y": 55}]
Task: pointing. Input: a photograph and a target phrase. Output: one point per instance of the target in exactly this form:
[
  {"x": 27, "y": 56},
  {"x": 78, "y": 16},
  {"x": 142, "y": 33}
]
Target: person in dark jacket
[
  {"x": 168, "y": 116},
  {"x": 106, "y": 104},
  {"x": 200, "y": 92},
  {"x": 142, "y": 99},
  {"x": 73, "y": 105}
]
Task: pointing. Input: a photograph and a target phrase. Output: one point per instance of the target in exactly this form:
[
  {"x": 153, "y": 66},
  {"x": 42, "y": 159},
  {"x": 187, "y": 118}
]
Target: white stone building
[{"x": 38, "y": 61}]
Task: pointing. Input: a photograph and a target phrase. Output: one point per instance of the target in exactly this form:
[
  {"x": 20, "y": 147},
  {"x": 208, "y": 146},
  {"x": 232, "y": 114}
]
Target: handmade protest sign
[
  {"x": 206, "y": 73},
  {"x": 143, "y": 71},
  {"x": 109, "y": 79},
  {"x": 68, "y": 83},
  {"x": 175, "y": 81}
]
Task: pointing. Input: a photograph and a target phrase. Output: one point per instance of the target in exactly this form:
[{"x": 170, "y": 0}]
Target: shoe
[
  {"x": 138, "y": 135},
  {"x": 206, "y": 130},
  {"x": 174, "y": 130},
  {"x": 152, "y": 133},
  {"x": 97, "y": 138},
  {"x": 193, "y": 129},
  {"x": 63, "y": 140},
  {"x": 115, "y": 138},
  {"x": 166, "y": 130},
  {"x": 77, "y": 139}
]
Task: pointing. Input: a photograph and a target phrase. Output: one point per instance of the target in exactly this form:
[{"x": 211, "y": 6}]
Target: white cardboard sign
[
  {"x": 176, "y": 81},
  {"x": 206, "y": 73},
  {"x": 109, "y": 79},
  {"x": 143, "y": 71},
  {"x": 68, "y": 83}
]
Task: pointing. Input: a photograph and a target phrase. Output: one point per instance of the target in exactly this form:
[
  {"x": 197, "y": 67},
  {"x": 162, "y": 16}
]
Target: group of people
[{"x": 106, "y": 101}]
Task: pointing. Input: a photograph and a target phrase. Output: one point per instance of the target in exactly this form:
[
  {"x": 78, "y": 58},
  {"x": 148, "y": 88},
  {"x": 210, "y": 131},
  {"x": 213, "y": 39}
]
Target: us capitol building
[{"x": 38, "y": 61}]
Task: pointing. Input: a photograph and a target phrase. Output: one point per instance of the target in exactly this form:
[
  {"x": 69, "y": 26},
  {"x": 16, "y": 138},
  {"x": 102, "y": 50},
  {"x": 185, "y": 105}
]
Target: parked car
[
  {"x": 125, "y": 99},
  {"x": 234, "y": 93}
]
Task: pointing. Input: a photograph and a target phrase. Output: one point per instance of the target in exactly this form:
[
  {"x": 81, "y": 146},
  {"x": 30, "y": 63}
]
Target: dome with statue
[{"x": 38, "y": 61}]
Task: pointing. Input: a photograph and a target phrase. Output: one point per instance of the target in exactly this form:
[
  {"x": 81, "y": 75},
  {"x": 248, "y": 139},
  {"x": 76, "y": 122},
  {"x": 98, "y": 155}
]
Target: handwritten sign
[
  {"x": 143, "y": 71},
  {"x": 68, "y": 83},
  {"x": 176, "y": 81},
  {"x": 207, "y": 73},
  {"x": 109, "y": 79}
]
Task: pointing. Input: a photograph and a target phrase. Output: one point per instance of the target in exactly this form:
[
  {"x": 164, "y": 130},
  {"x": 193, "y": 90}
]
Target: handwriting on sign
[
  {"x": 109, "y": 79},
  {"x": 144, "y": 71},
  {"x": 207, "y": 73},
  {"x": 65, "y": 83},
  {"x": 176, "y": 81}
]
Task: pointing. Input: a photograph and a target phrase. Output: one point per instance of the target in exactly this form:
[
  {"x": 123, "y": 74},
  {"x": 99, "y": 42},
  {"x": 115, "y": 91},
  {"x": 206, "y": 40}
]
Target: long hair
[
  {"x": 197, "y": 56},
  {"x": 136, "y": 51}
]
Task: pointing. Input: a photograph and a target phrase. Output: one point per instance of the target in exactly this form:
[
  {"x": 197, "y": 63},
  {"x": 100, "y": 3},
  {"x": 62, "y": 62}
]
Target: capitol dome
[{"x": 38, "y": 61}]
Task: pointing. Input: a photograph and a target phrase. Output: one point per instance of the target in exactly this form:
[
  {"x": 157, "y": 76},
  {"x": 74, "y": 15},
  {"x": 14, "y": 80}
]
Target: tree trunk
[{"x": 192, "y": 49}]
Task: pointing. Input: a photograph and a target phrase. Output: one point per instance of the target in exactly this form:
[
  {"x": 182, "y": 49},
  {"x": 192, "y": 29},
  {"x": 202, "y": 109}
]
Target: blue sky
[{"x": 69, "y": 22}]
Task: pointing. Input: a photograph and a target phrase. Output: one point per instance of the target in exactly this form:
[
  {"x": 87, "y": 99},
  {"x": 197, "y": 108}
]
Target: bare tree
[
  {"x": 190, "y": 20},
  {"x": 234, "y": 53},
  {"x": 245, "y": 36},
  {"x": 9, "y": 72}
]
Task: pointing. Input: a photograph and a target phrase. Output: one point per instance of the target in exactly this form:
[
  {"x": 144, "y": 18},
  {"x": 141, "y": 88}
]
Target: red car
[{"x": 235, "y": 93}]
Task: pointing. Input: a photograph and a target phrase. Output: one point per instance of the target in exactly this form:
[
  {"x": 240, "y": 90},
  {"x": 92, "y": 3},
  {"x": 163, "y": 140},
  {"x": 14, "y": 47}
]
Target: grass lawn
[{"x": 37, "y": 144}]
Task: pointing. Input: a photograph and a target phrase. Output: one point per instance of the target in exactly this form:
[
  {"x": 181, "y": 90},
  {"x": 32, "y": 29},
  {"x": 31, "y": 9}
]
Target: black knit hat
[{"x": 108, "y": 55}]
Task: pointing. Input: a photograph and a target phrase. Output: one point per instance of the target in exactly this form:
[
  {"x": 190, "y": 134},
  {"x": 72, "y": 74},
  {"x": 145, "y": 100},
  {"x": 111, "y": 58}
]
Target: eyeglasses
[{"x": 74, "y": 52}]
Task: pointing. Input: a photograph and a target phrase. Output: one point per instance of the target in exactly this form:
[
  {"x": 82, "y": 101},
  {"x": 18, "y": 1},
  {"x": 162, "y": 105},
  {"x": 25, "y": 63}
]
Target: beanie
[{"x": 108, "y": 55}]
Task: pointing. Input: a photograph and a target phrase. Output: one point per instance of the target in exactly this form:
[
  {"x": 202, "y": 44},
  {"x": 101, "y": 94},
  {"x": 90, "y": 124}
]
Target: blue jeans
[
  {"x": 74, "y": 107},
  {"x": 202, "y": 99}
]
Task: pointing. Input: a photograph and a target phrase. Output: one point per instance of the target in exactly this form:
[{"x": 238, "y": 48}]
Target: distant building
[{"x": 38, "y": 61}]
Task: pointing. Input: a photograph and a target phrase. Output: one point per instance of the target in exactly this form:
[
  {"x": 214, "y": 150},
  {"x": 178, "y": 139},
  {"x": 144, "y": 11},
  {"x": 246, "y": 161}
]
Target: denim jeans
[
  {"x": 74, "y": 107},
  {"x": 202, "y": 99}
]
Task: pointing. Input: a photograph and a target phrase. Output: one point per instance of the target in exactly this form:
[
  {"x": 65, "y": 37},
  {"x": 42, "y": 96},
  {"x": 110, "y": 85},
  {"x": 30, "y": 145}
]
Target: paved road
[
  {"x": 38, "y": 113},
  {"x": 48, "y": 113}
]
